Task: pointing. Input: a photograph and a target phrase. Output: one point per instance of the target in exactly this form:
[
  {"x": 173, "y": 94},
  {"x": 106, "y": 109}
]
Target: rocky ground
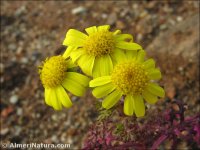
[{"x": 34, "y": 30}]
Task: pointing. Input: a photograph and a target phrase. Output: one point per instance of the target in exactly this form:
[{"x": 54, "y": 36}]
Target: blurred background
[{"x": 34, "y": 30}]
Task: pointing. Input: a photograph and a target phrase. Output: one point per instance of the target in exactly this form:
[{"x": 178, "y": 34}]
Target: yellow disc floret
[
  {"x": 52, "y": 72},
  {"x": 99, "y": 43},
  {"x": 130, "y": 77}
]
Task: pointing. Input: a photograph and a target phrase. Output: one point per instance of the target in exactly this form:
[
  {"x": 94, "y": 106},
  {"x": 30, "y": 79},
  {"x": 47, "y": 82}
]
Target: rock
[
  {"x": 179, "y": 19},
  {"x": 12, "y": 47},
  {"x": 163, "y": 27},
  {"x": 112, "y": 18},
  {"x": 19, "y": 111},
  {"x": 104, "y": 16},
  {"x": 24, "y": 60},
  {"x": 120, "y": 25},
  {"x": 4, "y": 131},
  {"x": 14, "y": 99},
  {"x": 54, "y": 138},
  {"x": 18, "y": 130},
  {"x": 1, "y": 68},
  {"x": 78, "y": 10},
  {"x": 21, "y": 10},
  {"x": 181, "y": 39}
]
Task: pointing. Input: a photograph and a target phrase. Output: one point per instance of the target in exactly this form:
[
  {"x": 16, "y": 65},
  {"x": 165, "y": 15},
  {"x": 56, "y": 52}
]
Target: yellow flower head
[
  {"x": 56, "y": 79},
  {"x": 97, "y": 52},
  {"x": 132, "y": 77}
]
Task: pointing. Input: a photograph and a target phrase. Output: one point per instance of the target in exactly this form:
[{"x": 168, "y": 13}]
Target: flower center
[
  {"x": 99, "y": 43},
  {"x": 130, "y": 77},
  {"x": 52, "y": 72}
]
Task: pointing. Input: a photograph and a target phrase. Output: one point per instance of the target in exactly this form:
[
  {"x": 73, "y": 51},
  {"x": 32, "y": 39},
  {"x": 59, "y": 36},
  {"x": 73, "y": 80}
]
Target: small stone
[
  {"x": 179, "y": 19},
  {"x": 12, "y": 47},
  {"x": 4, "y": 131},
  {"x": 19, "y": 111},
  {"x": 24, "y": 60},
  {"x": 104, "y": 16},
  {"x": 143, "y": 14},
  {"x": 163, "y": 27},
  {"x": 112, "y": 18},
  {"x": 1, "y": 68},
  {"x": 54, "y": 138},
  {"x": 120, "y": 25},
  {"x": 78, "y": 10},
  {"x": 124, "y": 12},
  {"x": 18, "y": 130},
  {"x": 54, "y": 117},
  {"x": 74, "y": 98},
  {"x": 14, "y": 99},
  {"x": 21, "y": 10}
]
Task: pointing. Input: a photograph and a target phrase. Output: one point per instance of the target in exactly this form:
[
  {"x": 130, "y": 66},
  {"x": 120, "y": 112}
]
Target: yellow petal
[
  {"x": 96, "y": 69},
  {"x": 123, "y": 37},
  {"x": 76, "y": 33},
  {"x": 47, "y": 96},
  {"x": 91, "y": 30},
  {"x": 77, "y": 77},
  {"x": 131, "y": 55},
  {"x": 128, "y": 105},
  {"x": 74, "y": 87},
  {"x": 73, "y": 41},
  {"x": 140, "y": 56},
  {"x": 103, "y": 90},
  {"x": 128, "y": 46},
  {"x": 103, "y": 66},
  {"x": 111, "y": 99},
  {"x": 154, "y": 74},
  {"x": 150, "y": 98},
  {"x": 74, "y": 38},
  {"x": 86, "y": 63},
  {"x": 156, "y": 90},
  {"x": 139, "y": 105},
  {"x": 70, "y": 64},
  {"x": 76, "y": 54},
  {"x": 103, "y": 28},
  {"x": 118, "y": 55},
  {"x": 106, "y": 65},
  {"x": 54, "y": 100},
  {"x": 63, "y": 97},
  {"x": 68, "y": 51},
  {"x": 117, "y": 32},
  {"x": 100, "y": 81},
  {"x": 150, "y": 63}
]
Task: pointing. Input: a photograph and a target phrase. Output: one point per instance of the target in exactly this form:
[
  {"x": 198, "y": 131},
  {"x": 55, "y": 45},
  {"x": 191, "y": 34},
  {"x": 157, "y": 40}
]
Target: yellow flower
[
  {"x": 56, "y": 78},
  {"x": 97, "y": 52},
  {"x": 131, "y": 78}
]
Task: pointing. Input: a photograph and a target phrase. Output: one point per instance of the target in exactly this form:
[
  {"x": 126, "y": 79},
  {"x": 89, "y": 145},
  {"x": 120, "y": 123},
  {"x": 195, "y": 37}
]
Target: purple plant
[{"x": 150, "y": 132}]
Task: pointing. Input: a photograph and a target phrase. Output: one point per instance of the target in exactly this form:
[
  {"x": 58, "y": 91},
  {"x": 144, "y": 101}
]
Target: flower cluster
[{"x": 114, "y": 66}]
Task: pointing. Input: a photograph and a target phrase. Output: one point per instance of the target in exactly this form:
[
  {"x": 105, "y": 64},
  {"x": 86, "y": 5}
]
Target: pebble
[
  {"x": 19, "y": 111},
  {"x": 120, "y": 25},
  {"x": 78, "y": 10},
  {"x": 18, "y": 130},
  {"x": 4, "y": 131},
  {"x": 24, "y": 60},
  {"x": 20, "y": 11},
  {"x": 54, "y": 138},
  {"x": 179, "y": 19},
  {"x": 14, "y": 99},
  {"x": 12, "y": 47},
  {"x": 2, "y": 68},
  {"x": 74, "y": 98},
  {"x": 104, "y": 16},
  {"x": 112, "y": 18},
  {"x": 163, "y": 27}
]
